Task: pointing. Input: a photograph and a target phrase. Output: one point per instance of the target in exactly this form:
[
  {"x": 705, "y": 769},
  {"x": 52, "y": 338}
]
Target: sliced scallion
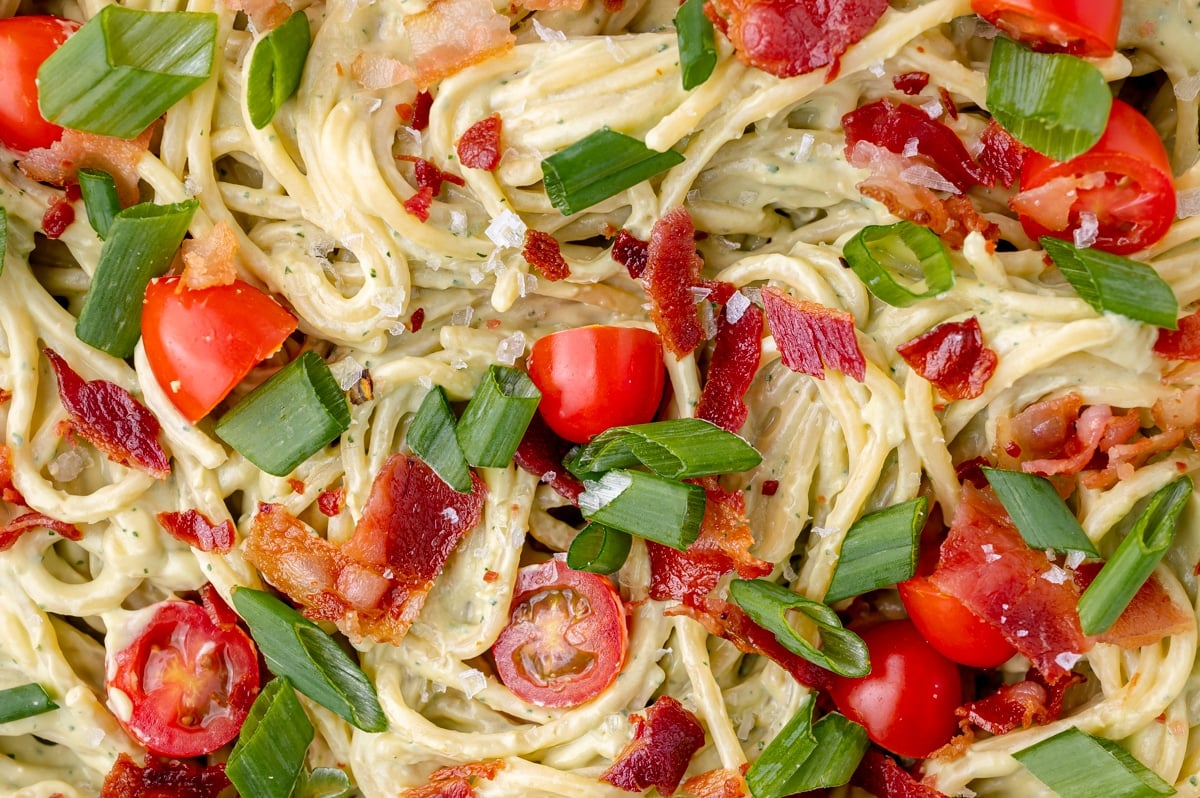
[
  {"x": 599, "y": 166},
  {"x": 124, "y": 68},
  {"x": 1075, "y": 764},
  {"x": 1040, "y": 515},
  {"x": 768, "y": 604},
  {"x": 679, "y": 448},
  {"x": 24, "y": 701},
  {"x": 99, "y": 192},
  {"x": 1115, "y": 284},
  {"x": 877, "y": 252},
  {"x": 647, "y": 505},
  {"x": 431, "y": 437},
  {"x": 879, "y": 550},
  {"x": 697, "y": 43},
  {"x": 1127, "y": 570},
  {"x": 497, "y": 416},
  {"x": 599, "y": 549},
  {"x": 276, "y": 66},
  {"x": 268, "y": 759},
  {"x": 808, "y": 756}
]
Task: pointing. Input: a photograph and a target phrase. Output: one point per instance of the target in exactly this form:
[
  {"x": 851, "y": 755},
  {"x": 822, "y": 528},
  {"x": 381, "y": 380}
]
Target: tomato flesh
[
  {"x": 25, "y": 42},
  {"x": 907, "y": 701},
  {"x": 566, "y": 636},
  {"x": 1079, "y": 27},
  {"x": 593, "y": 378},
  {"x": 202, "y": 343},
  {"x": 951, "y": 628}
]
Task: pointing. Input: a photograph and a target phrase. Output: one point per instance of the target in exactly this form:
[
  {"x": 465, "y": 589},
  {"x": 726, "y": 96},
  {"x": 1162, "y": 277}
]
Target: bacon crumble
[
  {"x": 953, "y": 357},
  {"x": 812, "y": 337},
  {"x": 198, "y": 531},
  {"x": 544, "y": 253},
  {"x": 664, "y": 741},
  {"x": 479, "y": 145}
]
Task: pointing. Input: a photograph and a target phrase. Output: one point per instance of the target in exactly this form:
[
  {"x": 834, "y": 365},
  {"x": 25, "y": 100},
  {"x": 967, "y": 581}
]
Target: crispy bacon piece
[
  {"x": 1181, "y": 344},
  {"x": 428, "y": 175},
  {"x": 451, "y": 35},
  {"x": 106, "y": 415},
  {"x": 663, "y": 744},
  {"x": 879, "y": 775},
  {"x": 416, "y": 113},
  {"x": 541, "y": 453},
  {"x": 378, "y": 71},
  {"x": 720, "y": 783},
  {"x": 456, "y": 781},
  {"x": 1150, "y": 616},
  {"x": 198, "y": 531},
  {"x": 8, "y": 491},
  {"x": 811, "y": 336},
  {"x": 911, "y": 82},
  {"x": 1013, "y": 706},
  {"x": 672, "y": 268},
  {"x": 11, "y": 532},
  {"x": 420, "y": 203},
  {"x": 479, "y": 145},
  {"x": 60, "y": 163},
  {"x": 732, "y": 368},
  {"x": 211, "y": 259},
  {"x": 58, "y": 217},
  {"x": 953, "y": 357},
  {"x": 631, "y": 252},
  {"x": 265, "y": 15},
  {"x": 1002, "y": 155},
  {"x": 544, "y": 254},
  {"x": 330, "y": 502},
  {"x": 161, "y": 778}
]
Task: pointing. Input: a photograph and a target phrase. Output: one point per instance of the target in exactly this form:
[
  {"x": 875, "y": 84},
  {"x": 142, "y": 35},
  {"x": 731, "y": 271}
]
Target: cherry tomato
[
  {"x": 908, "y": 699},
  {"x": 593, "y": 378},
  {"x": 1124, "y": 180},
  {"x": 566, "y": 636},
  {"x": 185, "y": 684},
  {"x": 1079, "y": 27},
  {"x": 201, "y": 344},
  {"x": 25, "y": 42},
  {"x": 950, "y": 627}
]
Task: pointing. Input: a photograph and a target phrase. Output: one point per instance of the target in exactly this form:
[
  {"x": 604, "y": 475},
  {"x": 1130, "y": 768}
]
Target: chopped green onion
[
  {"x": 1112, "y": 283},
  {"x": 24, "y": 701},
  {"x": 1075, "y": 764},
  {"x": 296, "y": 647},
  {"x": 497, "y": 416},
  {"x": 878, "y": 251},
  {"x": 767, "y": 604},
  {"x": 1057, "y": 104},
  {"x": 99, "y": 199},
  {"x": 879, "y": 550},
  {"x": 647, "y": 505},
  {"x": 697, "y": 44},
  {"x": 124, "y": 68},
  {"x": 268, "y": 759},
  {"x": 323, "y": 783},
  {"x": 599, "y": 166},
  {"x": 599, "y": 549},
  {"x": 1040, "y": 515},
  {"x": 1130, "y": 566},
  {"x": 141, "y": 244},
  {"x": 275, "y": 68},
  {"x": 680, "y": 449},
  {"x": 288, "y": 418},
  {"x": 791, "y": 763},
  {"x": 431, "y": 437}
]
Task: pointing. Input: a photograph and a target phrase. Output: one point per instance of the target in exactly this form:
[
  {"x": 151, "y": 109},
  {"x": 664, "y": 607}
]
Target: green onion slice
[
  {"x": 697, "y": 43},
  {"x": 431, "y": 437},
  {"x": 24, "y": 701},
  {"x": 878, "y": 252},
  {"x": 767, "y": 604},
  {"x": 1057, "y": 104},
  {"x": 647, "y": 505},
  {"x": 599, "y": 166},
  {"x": 288, "y": 418},
  {"x": 99, "y": 199},
  {"x": 296, "y": 647},
  {"x": 1116, "y": 284},
  {"x": 323, "y": 783},
  {"x": 1040, "y": 515},
  {"x": 879, "y": 550},
  {"x": 1130, "y": 566},
  {"x": 808, "y": 756},
  {"x": 142, "y": 241},
  {"x": 599, "y": 549},
  {"x": 679, "y": 449},
  {"x": 268, "y": 759},
  {"x": 497, "y": 416},
  {"x": 275, "y": 68},
  {"x": 124, "y": 68},
  {"x": 1075, "y": 764}
]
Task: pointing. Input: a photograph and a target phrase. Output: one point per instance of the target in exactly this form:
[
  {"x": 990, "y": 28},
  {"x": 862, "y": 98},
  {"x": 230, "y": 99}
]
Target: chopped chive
[
  {"x": 1057, "y": 104},
  {"x": 599, "y": 549},
  {"x": 142, "y": 241},
  {"x": 1040, "y": 515},
  {"x": 679, "y": 448},
  {"x": 877, "y": 252},
  {"x": 647, "y": 505},
  {"x": 268, "y": 759},
  {"x": 697, "y": 44},
  {"x": 24, "y": 701},
  {"x": 1075, "y": 764},
  {"x": 808, "y": 756},
  {"x": 1115, "y": 284},
  {"x": 276, "y": 66},
  {"x": 1128, "y": 569},
  {"x": 288, "y": 418},
  {"x": 768, "y": 604},
  {"x": 495, "y": 419},
  {"x": 879, "y": 550},
  {"x": 124, "y": 68},
  {"x": 599, "y": 166},
  {"x": 99, "y": 199},
  {"x": 431, "y": 437}
]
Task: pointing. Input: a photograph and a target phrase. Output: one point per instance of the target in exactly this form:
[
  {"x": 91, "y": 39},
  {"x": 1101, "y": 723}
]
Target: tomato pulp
[{"x": 26, "y": 42}]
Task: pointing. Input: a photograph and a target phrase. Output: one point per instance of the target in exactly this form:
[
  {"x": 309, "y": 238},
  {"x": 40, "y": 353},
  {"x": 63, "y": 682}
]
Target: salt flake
[
  {"x": 347, "y": 372},
  {"x": 511, "y": 348},
  {"x": 473, "y": 682},
  {"x": 506, "y": 230}
]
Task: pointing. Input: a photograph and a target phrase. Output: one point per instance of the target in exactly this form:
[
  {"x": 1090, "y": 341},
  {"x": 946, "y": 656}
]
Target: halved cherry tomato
[
  {"x": 25, "y": 42},
  {"x": 185, "y": 684},
  {"x": 908, "y": 699},
  {"x": 1079, "y": 27},
  {"x": 201, "y": 343},
  {"x": 566, "y": 636},
  {"x": 951, "y": 628},
  {"x": 1124, "y": 180},
  {"x": 593, "y": 378}
]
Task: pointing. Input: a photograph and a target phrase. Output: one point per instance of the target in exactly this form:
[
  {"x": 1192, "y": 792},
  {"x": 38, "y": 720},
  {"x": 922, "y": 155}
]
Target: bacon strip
[
  {"x": 662, "y": 746},
  {"x": 734, "y": 363},
  {"x": 456, "y": 781},
  {"x": 377, "y": 71},
  {"x": 15, "y": 529},
  {"x": 953, "y": 357},
  {"x": 451, "y": 35},
  {"x": 672, "y": 268},
  {"x": 879, "y": 775},
  {"x": 161, "y": 777},
  {"x": 198, "y": 531},
  {"x": 60, "y": 163},
  {"x": 811, "y": 336}
]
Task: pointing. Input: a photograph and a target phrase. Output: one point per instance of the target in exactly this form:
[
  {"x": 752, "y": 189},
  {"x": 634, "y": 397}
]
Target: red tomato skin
[
  {"x": 1079, "y": 27},
  {"x": 593, "y": 378},
  {"x": 201, "y": 344},
  {"x": 1129, "y": 148},
  {"x": 907, "y": 701},
  {"x": 183, "y": 655},
  {"x": 25, "y": 42},
  {"x": 951, "y": 628},
  {"x": 597, "y": 636}
]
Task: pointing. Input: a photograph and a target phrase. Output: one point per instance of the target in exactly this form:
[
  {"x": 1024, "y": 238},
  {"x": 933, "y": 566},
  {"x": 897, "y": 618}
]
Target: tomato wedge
[
  {"x": 25, "y": 42},
  {"x": 201, "y": 343},
  {"x": 1124, "y": 181},
  {"x": 1079, "y": 27},
  {"x": 951, "y": 628},
  {"x": 185, "y": 684},
  {"x": 566, "y": 636},
  {"x": 593, "y": 378}
]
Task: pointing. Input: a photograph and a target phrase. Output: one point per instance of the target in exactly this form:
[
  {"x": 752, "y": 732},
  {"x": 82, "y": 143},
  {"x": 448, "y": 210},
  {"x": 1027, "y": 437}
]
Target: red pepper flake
[
  {"x": 663, "y": 744},
  {"x": 297, "y": 485},
  {"x": 418, "y": 204},
  {"x": 492, "y": 324},
  {"x": 198, "y": 531},
  {"x": 631, "y": 252},
  {"x": 58, "y": 217},
  {"x": 952, "y": 357},
  {"x": 417, "y": 320},
  {"x": 490, "y": 576},
  {"x": 811, "y": 336},
  {"x": 672, "y": 268},
  {"x": 734, "y": 363},
  {"x": 911, "y": 82},
  {"x": 330, "y": 502},
  {"x": 543, "y": 252},
  {"x": 479, "y": 146},
  {"x": 770, "y": 487}
]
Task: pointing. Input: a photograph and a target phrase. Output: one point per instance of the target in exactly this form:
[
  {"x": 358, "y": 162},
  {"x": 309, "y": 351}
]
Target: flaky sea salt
[
  {"x": 912, "y": 147},
  {"x": 473, "y": 682},
  {"x": 1088, "y": 230},
  {"x": 933, "y": 109},
  {"x": 1187, "y": 203},
  {"x": 547, "y": 34},
  {"x": 69, "y": 464},
  {"x": 506, "y": 230},
  {"x": 1188, "y": 88},
  {"x": 462, "y": 317},
  {"x": 1075, "y": 558},
  {"x": 347, "y": 372},
  {"x": 736, "y": 307},
  {"x": 1067, "y": 660},
  {"x": 922, "y": 175},
  {"x": 805, "y": 147},
  {"x": 450, "y": 514},
  {"x": 511, "y": 348},
  {"x": 1056, "y": 575}
]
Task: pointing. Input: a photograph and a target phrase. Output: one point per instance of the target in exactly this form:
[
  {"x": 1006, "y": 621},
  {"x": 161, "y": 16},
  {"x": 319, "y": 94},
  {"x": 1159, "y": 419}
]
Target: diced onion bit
[
  {"x": 678, "y": 448},
  {"x": 24, "y": 701},
  {"x": 276, "y": 67},
  {"x": 791, "y": 763},
  {"x": 697, "y": 44},
  {"x": 100, "y": 200},
  {"x": 878, "y": 252},
  {"x": 1075, "y": 764},
  {"x": 1040, "y": 515},
  {"x": 646, "y": 505},
  {"x": 495, "y": 420},
  {"x": 599, "y": 166},
  {"x": 268, "y": 759},
  {"x": 1115, "y": 284},
  {"x": 879, "y": 550},
  {"x": 431, "y": 437},
  {"x": 599, "y": 549}
]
